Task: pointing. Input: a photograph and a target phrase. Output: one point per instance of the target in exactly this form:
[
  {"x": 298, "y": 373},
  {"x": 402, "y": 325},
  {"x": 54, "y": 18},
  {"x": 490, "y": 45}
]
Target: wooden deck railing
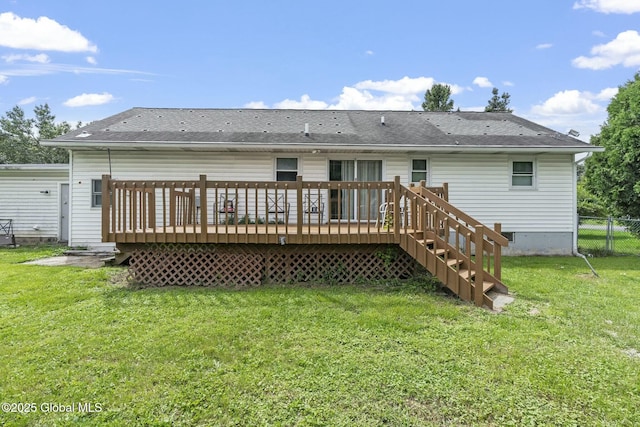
[
  {"x": 202, "y": 211},
  {"x": 301, "y": 212}
]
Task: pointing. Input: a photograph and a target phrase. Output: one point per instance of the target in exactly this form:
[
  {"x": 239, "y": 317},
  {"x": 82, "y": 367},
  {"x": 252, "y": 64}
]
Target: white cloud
[
  {"x": 258, "y": 105},
  {"x": 91, "y": 60},
  {"x": 606, "y": 94},
  {"x": 369, "y": 53},
  {"x": 624, "y": 49},
  {"x": 573, "y": 109},
  {"x": 41, "y": 58},
  {"x": 402, "y": 94},
  {"x": 305, "y": 103},
  {"x": 544, "y": 46},
  {"x": 3, "y": 79},
  {"x": 27, "y": 101},
  {"x": 405, "y": 85},
  {"x": 89, "y": 99},
  {"x": 482, "y": 82},
  {"x": 609, "y": 6},
  {"x": 508, "y": 83},
  {"x": 570, "y": 102},
  {"x": 41, "y": 34},
  {"x": 599, "y": 33}
]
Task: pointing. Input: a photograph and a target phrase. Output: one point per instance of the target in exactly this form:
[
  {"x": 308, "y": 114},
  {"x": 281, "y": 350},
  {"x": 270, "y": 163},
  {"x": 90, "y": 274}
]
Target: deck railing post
[
  {"x": 396, "y": 209},
  {"x": 497, "y": 253},
  {"x": 479, "y": 279},
  {"x": 106, "y": 206},
  {"x": 203, "y": 208},
  {"x": 299, "y": 208}
]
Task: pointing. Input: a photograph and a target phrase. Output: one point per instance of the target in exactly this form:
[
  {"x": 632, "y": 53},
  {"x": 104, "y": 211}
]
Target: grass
[{"x": 561, "y": 354}]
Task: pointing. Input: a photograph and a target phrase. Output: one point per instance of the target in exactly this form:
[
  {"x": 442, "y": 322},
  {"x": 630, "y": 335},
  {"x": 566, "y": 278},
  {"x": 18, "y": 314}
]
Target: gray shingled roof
[{"x": 417, "y": 130}]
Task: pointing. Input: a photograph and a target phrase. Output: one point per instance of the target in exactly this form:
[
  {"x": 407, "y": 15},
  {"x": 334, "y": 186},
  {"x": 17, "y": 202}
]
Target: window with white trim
[
  {"x": 286, "y": 168},
  {"x": 523, "y": 174},
  {"x": 419, "y": 171},
  {"x": 96, "y": 193}
]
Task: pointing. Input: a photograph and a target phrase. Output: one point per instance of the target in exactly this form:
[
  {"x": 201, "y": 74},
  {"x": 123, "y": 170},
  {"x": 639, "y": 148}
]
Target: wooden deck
[{"x": 457, "y": 249}]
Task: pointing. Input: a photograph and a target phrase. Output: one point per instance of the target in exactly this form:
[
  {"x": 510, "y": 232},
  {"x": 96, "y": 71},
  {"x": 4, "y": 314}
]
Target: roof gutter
[{"x": 248, "y": 146}]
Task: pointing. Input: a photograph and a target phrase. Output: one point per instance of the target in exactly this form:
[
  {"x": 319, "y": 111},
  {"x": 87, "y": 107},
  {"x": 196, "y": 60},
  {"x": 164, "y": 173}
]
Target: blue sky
[{"x": 561, "y": 61}]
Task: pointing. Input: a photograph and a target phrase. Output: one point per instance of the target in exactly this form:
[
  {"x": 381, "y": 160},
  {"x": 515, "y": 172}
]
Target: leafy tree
[
  {"x": 438, "y": 98},
  {"x": 499, "y": 103},
  {"x": 614, "y": 175},
  {"x": 589, "y": 204},
  {"x": 20, "y": 137}
]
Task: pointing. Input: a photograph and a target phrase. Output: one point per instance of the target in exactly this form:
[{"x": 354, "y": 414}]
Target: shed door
[{"x": 64, "y": 212}]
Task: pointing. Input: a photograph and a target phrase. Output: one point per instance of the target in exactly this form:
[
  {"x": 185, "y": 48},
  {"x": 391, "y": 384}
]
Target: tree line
[
  {"x": 438, "y": 98},
  {"x": 20, "y": 136}
]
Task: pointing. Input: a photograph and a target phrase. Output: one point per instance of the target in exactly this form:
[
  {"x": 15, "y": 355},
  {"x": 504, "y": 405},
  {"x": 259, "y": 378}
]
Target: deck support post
[
  {"x": 479, "y": 277},
  {"x": 497, "y": 253},
  {"x": 299, "y": 208},
  {"x": 106, "y": 206},
  {"x": 203, "y": 208},
  {"x": 396, "y": 209}
]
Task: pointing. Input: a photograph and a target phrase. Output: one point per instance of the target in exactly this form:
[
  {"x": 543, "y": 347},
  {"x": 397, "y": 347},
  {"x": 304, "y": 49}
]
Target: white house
[
  {"x": 500, "y": 168},
  {"x": 36, "y": 200}
]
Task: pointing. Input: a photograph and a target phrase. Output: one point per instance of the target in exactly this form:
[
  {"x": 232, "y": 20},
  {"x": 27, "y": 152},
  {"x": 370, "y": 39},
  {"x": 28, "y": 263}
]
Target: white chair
[{"x": 385, "y": 209}]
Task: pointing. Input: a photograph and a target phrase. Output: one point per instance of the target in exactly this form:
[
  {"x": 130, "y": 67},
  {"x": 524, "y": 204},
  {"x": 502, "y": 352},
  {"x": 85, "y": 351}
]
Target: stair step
[
  {"x": 438, "y": 252},
  {"x": 425, "y": 242},
  {"x": 487, "y": 286},
  {"x": 453, "y": 262},
  {"x": 465, "y": 274}
]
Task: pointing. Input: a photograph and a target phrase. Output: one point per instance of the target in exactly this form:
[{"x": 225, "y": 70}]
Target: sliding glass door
[{"x": 344, "y": 202}]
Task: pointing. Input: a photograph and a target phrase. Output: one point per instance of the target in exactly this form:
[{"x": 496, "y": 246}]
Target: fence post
[{"x": 608, "y": 245}]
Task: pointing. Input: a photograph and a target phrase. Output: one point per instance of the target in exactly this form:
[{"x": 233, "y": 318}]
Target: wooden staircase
[{"x": 462, "y": 253}]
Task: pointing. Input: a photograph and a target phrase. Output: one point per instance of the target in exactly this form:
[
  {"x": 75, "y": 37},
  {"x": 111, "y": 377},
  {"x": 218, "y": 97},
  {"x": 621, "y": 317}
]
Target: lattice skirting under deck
[{"x": 252, "y": 265}]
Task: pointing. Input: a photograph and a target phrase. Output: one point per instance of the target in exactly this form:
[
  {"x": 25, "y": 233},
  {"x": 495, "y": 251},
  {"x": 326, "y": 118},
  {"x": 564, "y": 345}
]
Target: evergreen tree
[
  {"x": 438, "y": 98},
  {"x": 498, "y": 103}
]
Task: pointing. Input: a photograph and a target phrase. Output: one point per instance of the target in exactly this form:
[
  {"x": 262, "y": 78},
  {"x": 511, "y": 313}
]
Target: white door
[{"x": 64, "y": 212}]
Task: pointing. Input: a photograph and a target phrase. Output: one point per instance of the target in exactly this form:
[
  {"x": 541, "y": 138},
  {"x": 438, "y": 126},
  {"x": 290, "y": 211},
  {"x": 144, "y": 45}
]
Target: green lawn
[{"x": 564, "y": 353}]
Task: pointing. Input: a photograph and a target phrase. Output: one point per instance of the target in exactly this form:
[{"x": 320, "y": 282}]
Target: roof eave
[{"x": 248, "y": 146}]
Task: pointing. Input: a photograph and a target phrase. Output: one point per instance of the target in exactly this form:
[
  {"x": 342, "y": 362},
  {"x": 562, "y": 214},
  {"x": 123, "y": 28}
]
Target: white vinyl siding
[
  {"x": 31, "y": 199},
  {"x": 478, "y": 184}
]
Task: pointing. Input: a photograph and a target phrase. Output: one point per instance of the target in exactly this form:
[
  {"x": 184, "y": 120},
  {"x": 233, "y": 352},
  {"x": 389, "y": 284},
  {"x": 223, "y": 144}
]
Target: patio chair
[
  {"x": 313, "y": 208},
  {"x": 276, "y": 207}
]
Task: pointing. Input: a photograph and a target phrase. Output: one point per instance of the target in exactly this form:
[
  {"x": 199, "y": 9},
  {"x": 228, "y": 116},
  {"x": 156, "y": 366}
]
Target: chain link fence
[{"x": 608, "y": 236}]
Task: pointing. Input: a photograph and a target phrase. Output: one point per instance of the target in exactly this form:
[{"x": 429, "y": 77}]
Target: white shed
[{"x": 35, "y": 197}]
